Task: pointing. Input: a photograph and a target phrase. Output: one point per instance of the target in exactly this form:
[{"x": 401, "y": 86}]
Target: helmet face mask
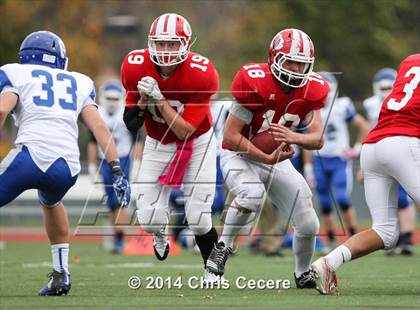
[
  {"x": 111, "y": 104},
  {"x": 168, "y": 57},
  {"x": 289, "y": 77},
  {"x": 43, "y": 48},
  {"x": 291, "y": 47},
  {"x": 169, "y": 29}
]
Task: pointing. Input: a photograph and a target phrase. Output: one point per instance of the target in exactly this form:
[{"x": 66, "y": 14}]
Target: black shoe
[
  {"x": 217, "y": 259},
  {"x": 306, "y": 280},
  {"x": 59, "y": 284}
]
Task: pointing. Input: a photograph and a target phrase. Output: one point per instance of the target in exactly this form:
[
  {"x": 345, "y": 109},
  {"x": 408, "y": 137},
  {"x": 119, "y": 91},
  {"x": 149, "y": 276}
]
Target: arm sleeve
[
  {"x": 90, "y": 100},
  {"x": 241, "y": 112},
  {"x": 350, "y": 111},
  {"x": 245, "y": 94},
  {"x": 6, "y": 84},
  {"x": 133, "y": 119}
]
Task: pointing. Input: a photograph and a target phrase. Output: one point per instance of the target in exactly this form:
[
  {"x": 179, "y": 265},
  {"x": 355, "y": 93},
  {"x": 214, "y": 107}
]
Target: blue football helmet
[
  {"x": 43, "y": 48},
  {"x": 383, "y": 81},
  {"x": 332, "y": 82},
  {"x": 111, "y": 96}
]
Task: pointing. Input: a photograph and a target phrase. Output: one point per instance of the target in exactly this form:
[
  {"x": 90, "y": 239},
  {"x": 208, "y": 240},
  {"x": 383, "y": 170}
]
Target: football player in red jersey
[
  {"x": 390, "y": 156},
  {"x": 169, "y": 88},
  {"x": 273, "y": 96}
]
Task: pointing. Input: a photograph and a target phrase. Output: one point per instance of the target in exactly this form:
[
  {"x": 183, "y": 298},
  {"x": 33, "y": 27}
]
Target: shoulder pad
[
  {"x": 317, "y": 88},
  {"x": 201, "y": 71}
]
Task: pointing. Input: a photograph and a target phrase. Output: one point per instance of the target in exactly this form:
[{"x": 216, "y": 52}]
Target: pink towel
[{"x": 179, "y": 165}]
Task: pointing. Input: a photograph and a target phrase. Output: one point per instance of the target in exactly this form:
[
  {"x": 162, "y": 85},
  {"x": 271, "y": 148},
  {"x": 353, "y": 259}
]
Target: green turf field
[{"x": 100, "y": 281}]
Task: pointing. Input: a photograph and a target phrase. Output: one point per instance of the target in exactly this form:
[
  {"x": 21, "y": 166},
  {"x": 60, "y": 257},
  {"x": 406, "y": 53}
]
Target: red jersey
[
  {"x": 256, "y": 89},
  {"x": 400, "y": 112},
  {"x": 187, "y": 89}
]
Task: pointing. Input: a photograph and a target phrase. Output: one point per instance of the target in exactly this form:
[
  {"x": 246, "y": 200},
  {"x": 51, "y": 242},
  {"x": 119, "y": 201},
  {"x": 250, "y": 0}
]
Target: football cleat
[
  {"x": 217, "y": 259},
  {"x": 212, "y": 278},
  {"x": 118, "y": 244},
  {"x": 59, "y": 284},
  {"x": 306, "y": 280},
  {"x": 161, "y": 245},
  {"x": 402, "y": 249},
  {"x": 325, "y": 278}
]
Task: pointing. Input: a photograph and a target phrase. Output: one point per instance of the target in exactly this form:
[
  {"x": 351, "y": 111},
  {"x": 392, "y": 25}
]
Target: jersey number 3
[
  {"x": 408, "y": 90},
  {"x": 47, "y": 88}
]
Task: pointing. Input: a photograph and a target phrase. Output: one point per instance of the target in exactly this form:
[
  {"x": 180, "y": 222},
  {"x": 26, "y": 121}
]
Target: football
[{"x": 265, "y": 142}]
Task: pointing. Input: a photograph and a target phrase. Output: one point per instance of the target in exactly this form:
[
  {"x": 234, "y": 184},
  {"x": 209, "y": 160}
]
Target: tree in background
[{"x": 355, "y": 37}]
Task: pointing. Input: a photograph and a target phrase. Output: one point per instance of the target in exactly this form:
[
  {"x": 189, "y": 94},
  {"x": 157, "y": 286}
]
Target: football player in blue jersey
[
  {"x": 332, "y": 167},
  {"x": 46, "y": 101},
  {"x": 111, "y": 108}
]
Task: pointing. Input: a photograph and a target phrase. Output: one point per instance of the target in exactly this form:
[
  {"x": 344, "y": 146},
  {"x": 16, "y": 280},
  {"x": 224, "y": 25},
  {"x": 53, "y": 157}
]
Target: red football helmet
[
  {"x": 169, "y": 28},
  {"x": 291, "y": 45}
]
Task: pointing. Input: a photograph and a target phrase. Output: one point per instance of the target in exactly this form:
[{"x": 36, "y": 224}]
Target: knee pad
[
  {"x": 199, "y": 230},
  {"x": 199, "y": 222},
  {"x": 251, "y": 197},
  {"x": 306, "y": 224},
  {"x": 152, "y": 219},
  {"x": 389, "y": 234}
]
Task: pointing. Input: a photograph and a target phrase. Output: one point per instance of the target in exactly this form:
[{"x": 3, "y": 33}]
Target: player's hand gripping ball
[{"x": 266, "y": 142}]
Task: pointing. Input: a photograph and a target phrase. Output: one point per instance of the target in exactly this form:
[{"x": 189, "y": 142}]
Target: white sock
[
  {"x": 303, "y": 248},
  {"x": 60, "y": 257},
  {"x": 234, "y": 222},
  {"x": 338, "y": 257}
]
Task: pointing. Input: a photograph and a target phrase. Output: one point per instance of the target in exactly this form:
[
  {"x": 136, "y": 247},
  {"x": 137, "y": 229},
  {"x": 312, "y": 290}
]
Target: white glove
[
  {"x": 92, "y": 172},
  {"x": 150, "y": 87},
  {"x": 308, "y": 173}
]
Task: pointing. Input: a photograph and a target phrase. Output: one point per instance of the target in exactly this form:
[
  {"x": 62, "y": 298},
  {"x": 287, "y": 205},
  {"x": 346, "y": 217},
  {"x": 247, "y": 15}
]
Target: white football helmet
[
  {"x": 295, "y": 46},
  {"x": 169, "y": 28}
]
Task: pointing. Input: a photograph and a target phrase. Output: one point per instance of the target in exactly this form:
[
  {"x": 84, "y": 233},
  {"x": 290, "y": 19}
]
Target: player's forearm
[
  {"x": 179, "y": 126},
  {"x": 97, "y": 126},
  {"x": 238, "y": 143},
  {"x": 310, "y": 141}
]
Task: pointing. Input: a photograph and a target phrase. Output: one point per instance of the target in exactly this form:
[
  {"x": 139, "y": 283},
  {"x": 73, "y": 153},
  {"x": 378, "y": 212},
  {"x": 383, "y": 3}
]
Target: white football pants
[
  {"x": 251, "y": 181},
  {"x": 199, "y": 184},
  {"x": 385, "y": 164}
]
